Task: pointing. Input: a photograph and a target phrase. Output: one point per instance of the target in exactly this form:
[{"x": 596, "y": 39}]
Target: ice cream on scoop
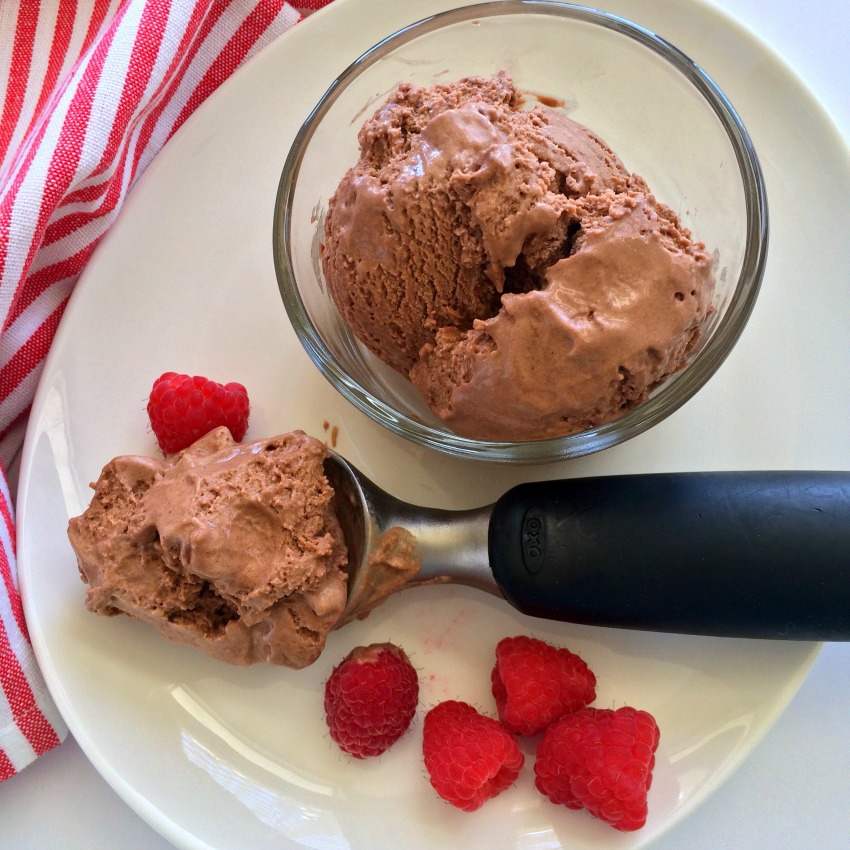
[
  {"x": 234, "y": 549},
  {"x": 508, "y": 264}
]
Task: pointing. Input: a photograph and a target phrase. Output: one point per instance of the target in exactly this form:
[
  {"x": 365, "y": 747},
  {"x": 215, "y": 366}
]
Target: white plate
[{"x": 215, "y": 757}]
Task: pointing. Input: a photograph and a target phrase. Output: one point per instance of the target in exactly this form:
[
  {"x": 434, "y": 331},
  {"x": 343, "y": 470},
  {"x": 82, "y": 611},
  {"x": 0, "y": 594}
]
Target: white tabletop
[{"x": 793, "y": 792}]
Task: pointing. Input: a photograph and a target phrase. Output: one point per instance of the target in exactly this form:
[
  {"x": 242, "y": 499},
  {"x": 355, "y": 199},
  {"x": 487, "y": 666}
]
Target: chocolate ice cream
[
  {"x": 507, "y": 263},
  {"x": 234, "y": 549}
]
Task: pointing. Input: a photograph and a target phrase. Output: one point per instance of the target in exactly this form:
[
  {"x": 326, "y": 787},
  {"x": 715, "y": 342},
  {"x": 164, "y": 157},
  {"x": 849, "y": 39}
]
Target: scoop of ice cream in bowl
[{"x": 520, "y": 232}]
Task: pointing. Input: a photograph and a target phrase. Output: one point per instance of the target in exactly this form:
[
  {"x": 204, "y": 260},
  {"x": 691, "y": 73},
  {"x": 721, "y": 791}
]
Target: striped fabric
[{"x": 90, "y": 91}]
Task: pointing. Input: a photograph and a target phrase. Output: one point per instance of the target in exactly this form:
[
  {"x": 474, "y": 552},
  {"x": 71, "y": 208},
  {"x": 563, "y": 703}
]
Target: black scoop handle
[{"x": 738, "y": 554}]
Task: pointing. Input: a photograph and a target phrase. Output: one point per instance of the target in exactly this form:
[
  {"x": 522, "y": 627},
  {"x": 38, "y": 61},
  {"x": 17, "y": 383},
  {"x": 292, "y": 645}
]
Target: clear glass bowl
[{"x": 662, "y": 115}]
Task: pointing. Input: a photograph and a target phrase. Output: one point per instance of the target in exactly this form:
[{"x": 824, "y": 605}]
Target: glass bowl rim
[{"x": 670, "y": 397}]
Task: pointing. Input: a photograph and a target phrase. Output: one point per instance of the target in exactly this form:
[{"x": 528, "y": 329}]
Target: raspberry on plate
[
  {"x": 183, "y": 408},
  {"x": 469, "y": 757},
  {"x": 370, "y": 699},
  {"x": 600, "y": 760},
  {"x": 535, "y": 683}
]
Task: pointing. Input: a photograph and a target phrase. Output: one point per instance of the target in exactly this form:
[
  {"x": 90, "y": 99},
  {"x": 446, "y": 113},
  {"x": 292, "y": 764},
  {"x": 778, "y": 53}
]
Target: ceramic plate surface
[{"x": 217, "y": 757}]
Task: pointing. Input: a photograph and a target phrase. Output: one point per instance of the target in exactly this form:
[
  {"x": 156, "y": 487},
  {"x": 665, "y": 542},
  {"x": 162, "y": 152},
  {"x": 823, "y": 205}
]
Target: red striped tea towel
[{"x": 90, "y": 90}]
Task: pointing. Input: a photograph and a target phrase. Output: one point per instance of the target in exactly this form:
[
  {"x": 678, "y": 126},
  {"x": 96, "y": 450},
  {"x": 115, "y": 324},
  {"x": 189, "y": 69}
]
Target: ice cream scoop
[
  {"x": 231, "y": 548},
  {"x": 505, "y": 261},
  {"x": 755, "y": 554}
]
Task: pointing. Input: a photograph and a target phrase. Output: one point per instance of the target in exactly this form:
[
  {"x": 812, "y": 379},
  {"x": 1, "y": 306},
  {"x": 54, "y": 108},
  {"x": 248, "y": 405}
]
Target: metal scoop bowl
[{"x": 756, "y": 554}]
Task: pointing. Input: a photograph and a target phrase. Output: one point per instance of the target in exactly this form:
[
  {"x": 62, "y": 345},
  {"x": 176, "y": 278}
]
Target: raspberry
[
  {"x": 600, "y": 760},
  {"x": 370, "y": 699},
  {"x": 469, "y": 757},
  {"x": 183, "y": 408},
  {"x": 535, "y": 683}
]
